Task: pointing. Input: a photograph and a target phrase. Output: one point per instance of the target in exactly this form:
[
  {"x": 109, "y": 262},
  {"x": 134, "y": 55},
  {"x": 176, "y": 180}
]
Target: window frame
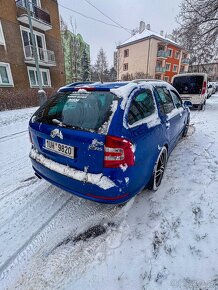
[
  {"x": 9, "y": 75},
  {"x": 161, "y": 106},
  {"x": 126, "y": 52},
  {"x": 29, "y": 68},
  {"x": 26, "y": 29},
  {"x": 2, "y": 37},
  {"x": 24, "y": 5},
  {"x": 169, "y": 66},
  {"x": 178, "y": 96},
  {"x": 167, "y": 78},
  {"x": 175, "y": 70},
  {"x": 125, "y": 64},
  {"x": 175, "y": 52},
  {"x": 171, "y": 52},
  {"x": 144, "y": 120}
]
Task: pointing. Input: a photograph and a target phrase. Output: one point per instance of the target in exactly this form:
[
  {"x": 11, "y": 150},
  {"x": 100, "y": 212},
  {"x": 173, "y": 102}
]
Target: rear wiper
[{"x": 57, "y": 122}]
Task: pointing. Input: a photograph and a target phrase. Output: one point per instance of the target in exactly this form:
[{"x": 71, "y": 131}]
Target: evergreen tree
[
  {"x": 101, "y": 66},
  {"x": 112, "y": 74},
  {"x": 85, "y": 66}
]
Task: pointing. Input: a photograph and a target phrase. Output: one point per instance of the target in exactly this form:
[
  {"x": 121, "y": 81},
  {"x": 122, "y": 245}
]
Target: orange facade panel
[{"x": 172, "y": 62}]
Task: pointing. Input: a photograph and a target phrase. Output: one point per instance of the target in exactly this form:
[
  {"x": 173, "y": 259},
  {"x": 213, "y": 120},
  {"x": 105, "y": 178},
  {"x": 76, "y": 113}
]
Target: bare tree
[{"x": 198, "y": 31}]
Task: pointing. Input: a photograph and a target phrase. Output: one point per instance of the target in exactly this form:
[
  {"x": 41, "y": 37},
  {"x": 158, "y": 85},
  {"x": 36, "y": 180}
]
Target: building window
[
  {"x": 32, "y": 2},
  {"x": 166, "y": 78},
  {"x": 28, "y": 45},
  {"x": 2, "y": 39},
  {"x": 5, "y": 75},
  {"x": 126, "y": 52},
  {"x": 168, "y": 66},
  {"x": 175, "y": 68},
  {"x": 158, "y": 77},
  {"x": 160, "y": 48},
  {"x": 33, "y": 78},
  {"x": 125, "y": 66},
  {"x": 182, "y": 69},
  {"x": 176, "y": 55},
  {"x": 170, "y": 52}
]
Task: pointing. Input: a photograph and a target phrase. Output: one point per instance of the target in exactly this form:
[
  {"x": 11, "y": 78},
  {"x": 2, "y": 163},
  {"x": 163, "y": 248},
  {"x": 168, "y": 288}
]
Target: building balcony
[
  {"x": 162, "y": 54},
  {"x": 160, "y": 69},
  {"x": 185, "y": 60},
  {"x": 45, "y": 57},
  {"x": 40, "y": 18}
]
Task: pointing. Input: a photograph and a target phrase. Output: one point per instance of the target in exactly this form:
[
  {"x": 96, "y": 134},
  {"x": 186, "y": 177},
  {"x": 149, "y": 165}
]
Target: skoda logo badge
[{"x": 56, "y": 133}]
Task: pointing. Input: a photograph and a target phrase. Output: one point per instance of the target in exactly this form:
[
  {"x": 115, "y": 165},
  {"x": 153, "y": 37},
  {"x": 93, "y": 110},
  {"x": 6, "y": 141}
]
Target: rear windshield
[
  {"x": 188, "y": 84},
  {"x": 79, "y": 109}
]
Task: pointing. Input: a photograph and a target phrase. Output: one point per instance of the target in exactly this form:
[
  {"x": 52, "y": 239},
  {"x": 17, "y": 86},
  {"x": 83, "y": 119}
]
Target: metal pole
[{"x": 41, "y": 92}]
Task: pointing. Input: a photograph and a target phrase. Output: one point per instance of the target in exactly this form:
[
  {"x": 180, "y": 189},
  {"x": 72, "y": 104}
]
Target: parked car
[
  {"x": 210, "y": 90},
  {"x": 214, "y": 86},
  {"x": 192, "y": 87},
  {"x": 107, "y": 142}
]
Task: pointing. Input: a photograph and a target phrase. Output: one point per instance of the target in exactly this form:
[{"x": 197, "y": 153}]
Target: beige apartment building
[{"x": 151, "y": 55}]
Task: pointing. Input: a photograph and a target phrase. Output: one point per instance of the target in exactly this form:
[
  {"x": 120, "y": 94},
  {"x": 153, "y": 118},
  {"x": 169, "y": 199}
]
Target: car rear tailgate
[{"x": 88, "y": 146}]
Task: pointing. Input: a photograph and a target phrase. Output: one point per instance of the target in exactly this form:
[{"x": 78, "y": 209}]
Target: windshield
[
  {"x": 188, "y": 84},
  {"x": 79, "y": 109}
]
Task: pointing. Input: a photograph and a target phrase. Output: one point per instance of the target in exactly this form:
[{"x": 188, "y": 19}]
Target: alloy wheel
[{"x": 160, "y": 168}]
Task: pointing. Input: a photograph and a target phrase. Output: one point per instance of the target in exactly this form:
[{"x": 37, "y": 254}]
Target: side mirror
[{"x": 188, "y": 104}]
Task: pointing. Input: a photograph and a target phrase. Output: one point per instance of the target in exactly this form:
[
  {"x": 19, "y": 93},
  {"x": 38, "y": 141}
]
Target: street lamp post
[{"x": 41, "y": 92}]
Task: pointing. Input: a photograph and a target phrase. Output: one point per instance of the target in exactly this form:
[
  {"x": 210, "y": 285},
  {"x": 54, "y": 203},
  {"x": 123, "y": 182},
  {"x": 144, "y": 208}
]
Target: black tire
[
  {"x": 158, "y": 170},
  {"x": 185, "y": 131},
  {"x": 202, "y": 106}
]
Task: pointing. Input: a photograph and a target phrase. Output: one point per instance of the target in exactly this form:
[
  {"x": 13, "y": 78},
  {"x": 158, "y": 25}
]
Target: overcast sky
[{"x": 128, "y": 13}]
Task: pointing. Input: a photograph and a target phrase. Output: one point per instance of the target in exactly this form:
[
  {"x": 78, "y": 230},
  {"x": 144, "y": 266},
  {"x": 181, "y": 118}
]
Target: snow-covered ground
[{"x": 50, "y": 239}]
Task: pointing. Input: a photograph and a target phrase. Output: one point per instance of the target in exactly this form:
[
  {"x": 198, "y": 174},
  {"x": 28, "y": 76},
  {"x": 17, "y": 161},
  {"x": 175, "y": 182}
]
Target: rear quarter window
[{"x": 141, "y": 107}]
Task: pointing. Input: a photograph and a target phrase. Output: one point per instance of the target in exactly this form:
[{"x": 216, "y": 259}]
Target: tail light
[
  {"x": 31, "y": 140},
  {"x": 204, "y": 88},
  {"x": 117, "y": 152}
]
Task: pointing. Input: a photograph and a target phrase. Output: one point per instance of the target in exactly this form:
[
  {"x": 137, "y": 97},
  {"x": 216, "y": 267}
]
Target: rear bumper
[
  {"x": 95, "y": 187},
  {"x": 195, "y": 99}
]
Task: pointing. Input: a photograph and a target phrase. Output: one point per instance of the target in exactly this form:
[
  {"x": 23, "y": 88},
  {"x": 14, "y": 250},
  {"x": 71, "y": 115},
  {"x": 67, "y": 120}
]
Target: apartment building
[
  {"x": 18, "y": 78},
  {"x": 76, "y": 57},
  {"x": 151, "y": 55},
  {"x": 210, "y": 68}
]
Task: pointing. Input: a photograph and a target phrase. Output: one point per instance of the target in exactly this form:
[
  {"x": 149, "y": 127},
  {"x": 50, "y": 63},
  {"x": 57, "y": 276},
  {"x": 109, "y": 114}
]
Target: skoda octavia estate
[{"x": 106, "y": 142}]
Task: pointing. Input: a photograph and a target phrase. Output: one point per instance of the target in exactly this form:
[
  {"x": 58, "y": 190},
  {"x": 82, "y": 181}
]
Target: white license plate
[{"x": 59, "y": 148}]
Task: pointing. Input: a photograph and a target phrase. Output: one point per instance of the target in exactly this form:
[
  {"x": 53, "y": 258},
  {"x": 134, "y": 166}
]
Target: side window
[
  {"x": 176, "y": 99},
  {"x": 142, "y": 106},
  {"x": 165, "y": 100}
]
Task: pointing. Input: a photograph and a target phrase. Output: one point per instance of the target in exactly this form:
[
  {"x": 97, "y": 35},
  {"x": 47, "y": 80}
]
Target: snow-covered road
[{"x": 162, "y": 240}]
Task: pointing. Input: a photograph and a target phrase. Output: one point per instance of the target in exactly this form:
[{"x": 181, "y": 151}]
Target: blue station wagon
[{"x": 106, "y": 142}]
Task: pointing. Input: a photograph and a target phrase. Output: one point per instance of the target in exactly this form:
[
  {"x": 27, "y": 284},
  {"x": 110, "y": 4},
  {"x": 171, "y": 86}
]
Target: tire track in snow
[
  {"x": 75, "y": 217},
  {"x": 12, "y": 136},
  {"x": 16, "y": 201},
  {"x": 24, "y": 226}
]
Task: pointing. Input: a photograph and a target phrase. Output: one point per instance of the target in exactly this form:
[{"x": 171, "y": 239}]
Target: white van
[{"x": 192, "y": 87}]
